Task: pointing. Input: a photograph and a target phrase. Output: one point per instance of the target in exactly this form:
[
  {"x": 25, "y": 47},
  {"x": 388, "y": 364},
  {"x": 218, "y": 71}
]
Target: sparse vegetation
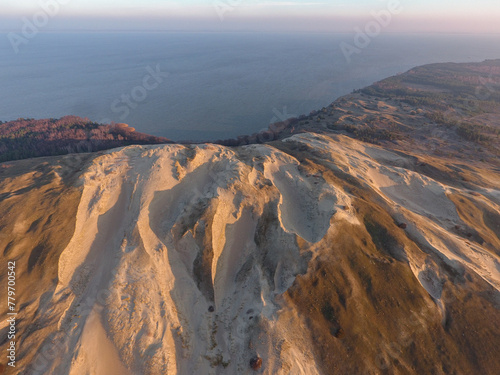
[
  {"x": 366, "y": 133},
  {"x": 470, "y": 131},
  {"x": 470, "y": 88}
]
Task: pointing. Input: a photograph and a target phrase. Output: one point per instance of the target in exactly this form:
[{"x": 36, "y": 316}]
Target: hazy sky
[{"x": 279, "y": 15}]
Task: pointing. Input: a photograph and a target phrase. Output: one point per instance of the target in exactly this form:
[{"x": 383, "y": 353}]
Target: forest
[{"x": 28, "y": 138}]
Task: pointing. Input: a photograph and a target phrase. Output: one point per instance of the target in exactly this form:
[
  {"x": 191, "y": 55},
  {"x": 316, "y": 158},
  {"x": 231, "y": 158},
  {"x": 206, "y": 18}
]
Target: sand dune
[{"x": 196, "y": 259}]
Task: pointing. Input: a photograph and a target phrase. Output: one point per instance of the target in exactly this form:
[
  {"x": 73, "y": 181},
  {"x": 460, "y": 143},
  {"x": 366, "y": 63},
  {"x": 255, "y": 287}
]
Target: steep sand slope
[{"x": 319, "y": 254}]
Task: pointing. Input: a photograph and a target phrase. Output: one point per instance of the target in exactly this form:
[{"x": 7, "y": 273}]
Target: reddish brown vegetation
[
  {"x": 27, "y": 138},
  {"x": 256, "y": 363}
]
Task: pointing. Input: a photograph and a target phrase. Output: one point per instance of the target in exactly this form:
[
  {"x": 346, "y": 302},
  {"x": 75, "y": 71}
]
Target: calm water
[{"x": 209, "y": 85}]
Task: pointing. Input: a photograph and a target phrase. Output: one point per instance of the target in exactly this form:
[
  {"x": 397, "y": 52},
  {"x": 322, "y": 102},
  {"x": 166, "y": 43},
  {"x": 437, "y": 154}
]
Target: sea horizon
[{"x": 270, "y": 76}]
